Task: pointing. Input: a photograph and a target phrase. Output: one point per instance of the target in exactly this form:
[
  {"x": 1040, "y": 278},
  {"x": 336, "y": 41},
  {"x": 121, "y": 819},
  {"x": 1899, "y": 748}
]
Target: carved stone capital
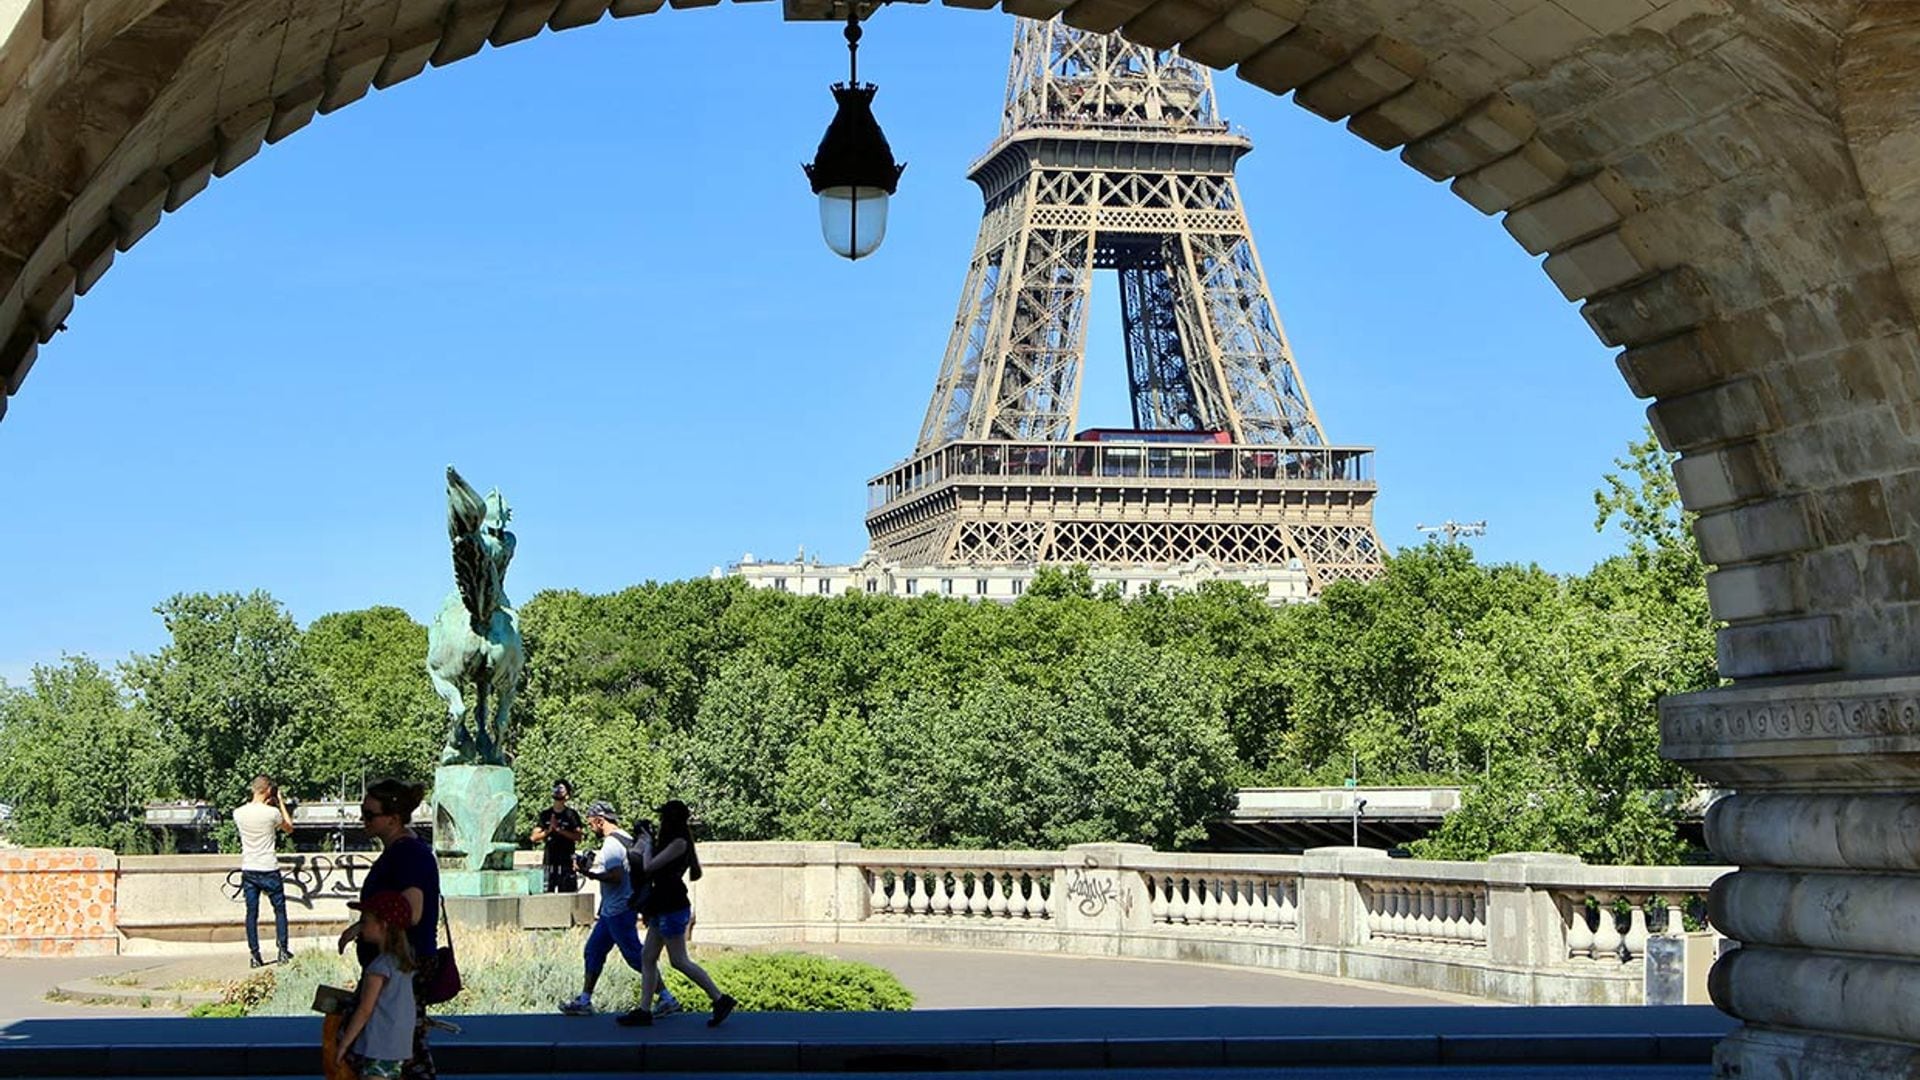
[{"x": 1851, "y": 735}]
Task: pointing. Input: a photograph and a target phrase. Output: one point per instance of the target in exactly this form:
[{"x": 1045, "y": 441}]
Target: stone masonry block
[
  {"x": 623, "y": 8},
  {"x": 51, "y": 301},
  {"x": 1854, "y": 512},
  {"x": 1245, "y": 29},
  {"x": 1677, "y": 365},
  {"x": 575, "y": 13},
  {"x": 1661, "y": 307},
  {"x": 92, "y": 256},
  {"x": 241, "y": 135},
  {"x": 1383, "y": 67},
  {"x": 350, "y": 73},
  {"x": 1903, "y": 502},
  {"x": 1893, "y": 573},
  {"x": 1526, "y": 174},
  {"x": 294, "y": 109},
  {"x": 16, "y": 359},
  {"x": 1297, "y": 58},
  {"x": 1755, "y": 591},
  {"x": 1488, "y": 132},
  {"x": 1167, "y": 23},
  {"x": 1572, "y": 214},
  {"x": 410, "y": 51},
  {"x": 1754, "y": 533},
  {"x": 1543, "y": 34},
  {"x": 1600, "y": 265},
  {"x": 1424, "y": 107},
  {"x": 469, "y": 23},
  {"x": 138, "y": 206},
  {"x": 1035, "y": 9},
  {"x": 1101, "y": 16},
  {"x": 1833, "y": 576},
  {"x": 21, "y": 23},
  {"x": 1783, "y": 647},
  {"x": 190, "y": 172},
  {"x": 1725, "y": 476},
  {"x": 521, "y": 20},
  {"x": 1730, "y": 412}
]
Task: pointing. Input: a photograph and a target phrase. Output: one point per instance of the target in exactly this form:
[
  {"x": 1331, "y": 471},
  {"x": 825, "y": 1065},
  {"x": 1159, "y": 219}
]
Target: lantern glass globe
[{"x": 853, "y": 219}]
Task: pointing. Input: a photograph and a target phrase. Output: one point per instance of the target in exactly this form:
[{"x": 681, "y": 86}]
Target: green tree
[
  {"x": 77, "y": 764},
  {"x": 232, "y": 694},
  {"x": 384, "y": 718},
  {"x": 730, "y": 767}
]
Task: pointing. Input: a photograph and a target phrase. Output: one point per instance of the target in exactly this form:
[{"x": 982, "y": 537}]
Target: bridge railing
[{"x": 1528, "y": 928}]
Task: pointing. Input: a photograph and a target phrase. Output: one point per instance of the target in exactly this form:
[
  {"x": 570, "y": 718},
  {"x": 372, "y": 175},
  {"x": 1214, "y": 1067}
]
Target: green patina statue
[
  {"x": 475, "y": 640},
  {"x": 474, "y": 645}
]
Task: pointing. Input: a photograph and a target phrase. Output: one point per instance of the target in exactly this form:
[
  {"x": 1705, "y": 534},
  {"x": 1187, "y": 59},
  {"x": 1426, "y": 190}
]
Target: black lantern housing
[{"x": 853, "y": 171}]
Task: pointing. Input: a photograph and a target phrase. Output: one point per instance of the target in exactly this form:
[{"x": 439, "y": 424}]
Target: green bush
[
  {"x": 520, "y": 971},
  {"x": 218, "y": 1009}
]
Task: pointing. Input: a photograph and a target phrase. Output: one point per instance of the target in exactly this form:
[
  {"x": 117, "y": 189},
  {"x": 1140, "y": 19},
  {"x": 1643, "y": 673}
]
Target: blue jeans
[
  {"x": 620, "y": 930},
  {"x": 252, "y": 884}
]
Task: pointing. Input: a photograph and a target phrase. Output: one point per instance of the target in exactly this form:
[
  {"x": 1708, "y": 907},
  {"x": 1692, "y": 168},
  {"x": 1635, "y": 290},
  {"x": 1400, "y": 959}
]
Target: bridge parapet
[{"x": 1526, "y": 928}]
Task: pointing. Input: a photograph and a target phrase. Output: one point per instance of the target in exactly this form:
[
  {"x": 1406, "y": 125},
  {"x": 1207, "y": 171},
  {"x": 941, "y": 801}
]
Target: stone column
[
  {"x": 1097, "y": 900},
  {"x": 1824, "y": 826},
  {"x": 1526, "y": 927}
]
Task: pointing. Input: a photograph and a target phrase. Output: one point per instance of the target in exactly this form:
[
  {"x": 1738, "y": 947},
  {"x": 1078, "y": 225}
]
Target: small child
[{"x": 379, "y": 1034}]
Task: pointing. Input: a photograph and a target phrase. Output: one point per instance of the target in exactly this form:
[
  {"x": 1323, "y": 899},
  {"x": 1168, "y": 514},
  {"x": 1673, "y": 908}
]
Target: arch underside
[{"x": 1683, "y": 165}]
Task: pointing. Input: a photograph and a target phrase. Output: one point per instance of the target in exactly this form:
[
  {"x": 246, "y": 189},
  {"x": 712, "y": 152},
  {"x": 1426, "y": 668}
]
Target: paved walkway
[{"x": 939, "y": 979}]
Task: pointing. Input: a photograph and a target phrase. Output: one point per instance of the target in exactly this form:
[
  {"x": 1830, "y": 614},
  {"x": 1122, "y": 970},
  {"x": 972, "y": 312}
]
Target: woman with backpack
[{"x": 668, "y": 911}]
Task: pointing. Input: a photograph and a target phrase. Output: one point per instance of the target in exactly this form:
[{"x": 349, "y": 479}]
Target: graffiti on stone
[
  {"x": 309, "y": 879},
  {"x": 1093, "y": 894}
]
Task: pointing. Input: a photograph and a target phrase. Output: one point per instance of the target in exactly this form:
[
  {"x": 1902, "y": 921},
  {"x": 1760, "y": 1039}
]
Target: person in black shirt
[{"x": 559, "y": 828}]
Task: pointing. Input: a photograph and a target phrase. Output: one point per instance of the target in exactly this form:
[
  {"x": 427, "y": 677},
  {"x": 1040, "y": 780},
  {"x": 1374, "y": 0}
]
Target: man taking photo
[
  {"x": 258, "y": 820},
  {"x": 559, "y": 828}
]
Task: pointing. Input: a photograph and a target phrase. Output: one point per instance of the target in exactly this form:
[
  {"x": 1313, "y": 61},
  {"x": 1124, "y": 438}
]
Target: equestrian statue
[{"x": 475, "y": 640}]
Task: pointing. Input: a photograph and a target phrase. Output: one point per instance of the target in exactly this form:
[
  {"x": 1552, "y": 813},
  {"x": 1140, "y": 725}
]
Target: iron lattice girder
[{"x": 1113, "y": 157}]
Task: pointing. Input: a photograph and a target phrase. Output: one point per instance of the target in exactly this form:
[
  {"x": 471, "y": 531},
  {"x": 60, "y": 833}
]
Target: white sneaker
[{"x": 578, "y": 1005}]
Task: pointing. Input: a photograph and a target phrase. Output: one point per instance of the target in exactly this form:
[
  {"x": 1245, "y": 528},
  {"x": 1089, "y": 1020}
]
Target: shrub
[
  {"x": 218, "y": 1009},
  {"x": 522, "y": 971}
]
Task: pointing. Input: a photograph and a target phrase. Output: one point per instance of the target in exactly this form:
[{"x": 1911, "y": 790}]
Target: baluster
[
  {"x": 877, "y": 895},
  {"x": 1289, "y": 916},
  {"x": 1672, "y": 924},
  {"x": 1479, "y": 917},
  {"x": 1184, "y": 901},
  {"x": 1270, "y": 902},
  {"x": 1456, "y": 915},
  {"x": 1636, "y": 939},
  {"x": 1157, "y": 898},
  {"x": 969, "y": 888},
  {"x": 919, "y": 903},
  {"x": 1209, "y": 901},
  {"x": 1389, "y": 910},
  {"x": 997, "y": 899},
  {"x": 1606, "y": 936},
  {"x": 1237, "y": 907},
  {"x": 942, "y": 894},
  {"x": 1579, "y": 933},
  {"x": 1017, "y": 904},
  {"x": 1043, "y": 897}
]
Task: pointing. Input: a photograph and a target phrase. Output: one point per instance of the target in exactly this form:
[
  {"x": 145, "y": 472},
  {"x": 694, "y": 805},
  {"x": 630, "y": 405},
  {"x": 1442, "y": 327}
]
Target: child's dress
[{"x": 386, "y": 1042}]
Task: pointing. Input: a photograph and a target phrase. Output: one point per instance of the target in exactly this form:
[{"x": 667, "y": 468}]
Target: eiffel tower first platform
[{"x": 1112, "y": 156}]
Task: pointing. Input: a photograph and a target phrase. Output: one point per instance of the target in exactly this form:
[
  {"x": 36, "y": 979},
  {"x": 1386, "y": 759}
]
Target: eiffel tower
[{"x": 1113, "y": 156}]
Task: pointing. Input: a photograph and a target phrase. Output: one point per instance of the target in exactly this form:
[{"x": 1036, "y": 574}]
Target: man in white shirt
[
  {"x": 616, "y": 924},
  {"x": 258, "y": 820}
]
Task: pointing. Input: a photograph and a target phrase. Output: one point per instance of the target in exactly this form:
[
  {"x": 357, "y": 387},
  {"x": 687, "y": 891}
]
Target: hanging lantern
[{"x": 853, "y": 171}]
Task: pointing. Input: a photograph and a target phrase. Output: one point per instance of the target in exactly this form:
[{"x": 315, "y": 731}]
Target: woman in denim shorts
[{"x": 668, "y": 911}]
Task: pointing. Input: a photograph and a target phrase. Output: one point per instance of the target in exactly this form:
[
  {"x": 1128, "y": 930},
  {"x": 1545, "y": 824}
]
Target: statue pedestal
[
  {"x": 490, "y": 883},
  {"x": 473, "y": 819}
]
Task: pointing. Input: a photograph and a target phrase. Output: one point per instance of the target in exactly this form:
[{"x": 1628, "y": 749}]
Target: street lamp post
[{"x": 853, "y": 171}]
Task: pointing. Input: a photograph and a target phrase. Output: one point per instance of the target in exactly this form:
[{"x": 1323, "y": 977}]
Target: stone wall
[{"x": 57, "y": 902}]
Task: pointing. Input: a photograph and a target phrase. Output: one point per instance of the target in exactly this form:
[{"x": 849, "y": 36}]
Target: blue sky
[{"x": 587, "y": 270}]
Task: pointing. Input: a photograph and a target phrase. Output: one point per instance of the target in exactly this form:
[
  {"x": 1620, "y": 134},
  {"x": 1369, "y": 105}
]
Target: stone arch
[
  {"x": 1682, "y": 165},
  {"x": 1725, "y": 186}
]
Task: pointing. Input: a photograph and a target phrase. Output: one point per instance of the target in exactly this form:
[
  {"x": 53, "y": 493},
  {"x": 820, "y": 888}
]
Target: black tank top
[{"x": 669, "y": 892}]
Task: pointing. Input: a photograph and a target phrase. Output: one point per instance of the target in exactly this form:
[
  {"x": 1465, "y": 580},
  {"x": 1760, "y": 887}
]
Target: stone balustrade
[{"x": 1523, "y": 928}]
